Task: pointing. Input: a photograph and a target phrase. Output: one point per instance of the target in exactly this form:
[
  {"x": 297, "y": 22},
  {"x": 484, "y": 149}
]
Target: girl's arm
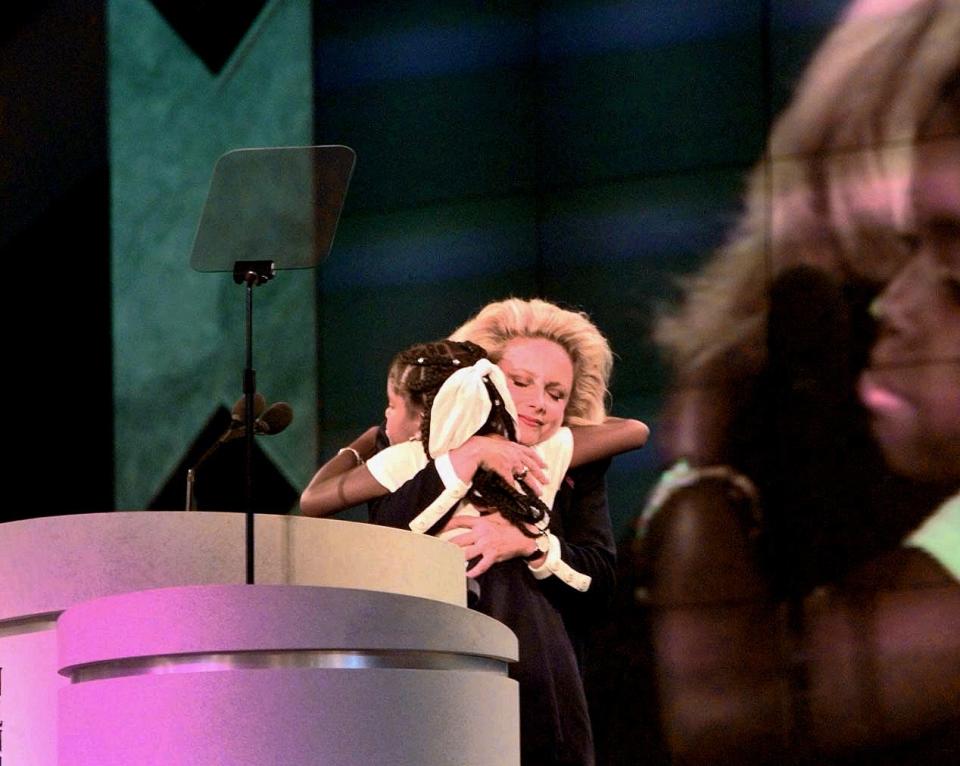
[
  {"x": 341, "y": 482},
  {"x": 613, "y": 436}
]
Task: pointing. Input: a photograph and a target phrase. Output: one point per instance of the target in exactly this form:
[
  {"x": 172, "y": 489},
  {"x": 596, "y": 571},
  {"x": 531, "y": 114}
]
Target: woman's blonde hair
[
  {"x": 500, "y": 322},
  {"x": 833, "y": 188}
]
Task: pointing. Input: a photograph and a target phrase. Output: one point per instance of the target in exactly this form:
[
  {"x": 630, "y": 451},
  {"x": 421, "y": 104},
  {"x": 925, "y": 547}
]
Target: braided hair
[{"x": 417, "y": 374}]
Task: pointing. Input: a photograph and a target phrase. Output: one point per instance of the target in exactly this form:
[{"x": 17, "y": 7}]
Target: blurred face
[
  {"x": 403, "y": 419},
  {"x": 912, "y": 387},
  {"x": 539, "y": 374}
]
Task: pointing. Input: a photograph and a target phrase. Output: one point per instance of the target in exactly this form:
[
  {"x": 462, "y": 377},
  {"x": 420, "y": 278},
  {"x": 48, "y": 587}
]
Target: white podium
[{"x": 378, "y": 661}]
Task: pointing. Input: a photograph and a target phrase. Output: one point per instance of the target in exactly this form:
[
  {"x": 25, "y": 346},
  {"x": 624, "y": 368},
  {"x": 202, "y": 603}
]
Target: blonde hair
[
  {"x": 500, "y": 322},
  {"x": 833, "y": 188}
]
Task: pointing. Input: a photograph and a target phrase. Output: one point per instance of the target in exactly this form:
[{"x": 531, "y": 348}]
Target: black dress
[{"x": 549, "y": 617}]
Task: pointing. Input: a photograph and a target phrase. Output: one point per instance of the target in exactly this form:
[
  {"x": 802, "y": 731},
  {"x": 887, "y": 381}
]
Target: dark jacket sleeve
[{"x": 581, "y": 521}]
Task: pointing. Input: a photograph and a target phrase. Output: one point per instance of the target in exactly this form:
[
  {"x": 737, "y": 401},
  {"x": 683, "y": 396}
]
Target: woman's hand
[
  {"x": 506, "y": 458},
  {"x": 491, "y": 538}
]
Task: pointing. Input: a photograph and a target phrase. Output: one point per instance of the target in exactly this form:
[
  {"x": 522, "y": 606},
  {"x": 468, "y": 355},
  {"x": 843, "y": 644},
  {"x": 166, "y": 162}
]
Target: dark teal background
[{"x": 179, "y": 334}]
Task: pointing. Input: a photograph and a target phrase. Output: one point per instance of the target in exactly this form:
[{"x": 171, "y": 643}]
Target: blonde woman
[{"x": 546, "y": 588}]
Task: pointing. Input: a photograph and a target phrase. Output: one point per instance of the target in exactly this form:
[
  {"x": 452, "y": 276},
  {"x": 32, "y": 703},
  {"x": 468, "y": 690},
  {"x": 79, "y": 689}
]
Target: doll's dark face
[{"x": 912, "y": 388}]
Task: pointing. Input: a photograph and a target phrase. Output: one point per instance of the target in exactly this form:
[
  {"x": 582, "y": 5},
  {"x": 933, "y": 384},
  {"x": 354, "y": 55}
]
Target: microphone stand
[
  {"x": 250, "y": 274},
  {"x": 192, "y": 472}
]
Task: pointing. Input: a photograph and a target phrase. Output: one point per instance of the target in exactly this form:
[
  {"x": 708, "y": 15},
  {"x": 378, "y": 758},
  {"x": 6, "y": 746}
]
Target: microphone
[
  {"x": 269, "y": 420},
  {"x": 274, "y": 419},
  {"x": 238, "y": 415},
  {"x": 238, "y": 410}
]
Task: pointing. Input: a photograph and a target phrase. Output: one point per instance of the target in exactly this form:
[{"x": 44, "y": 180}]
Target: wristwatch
[{"x": 543, "y": 545}]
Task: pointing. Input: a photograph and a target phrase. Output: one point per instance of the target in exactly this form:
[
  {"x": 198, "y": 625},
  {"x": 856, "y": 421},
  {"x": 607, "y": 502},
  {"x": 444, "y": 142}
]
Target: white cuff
[
  {"x": 453, "y": 494},
  {"x": 554, "y": 565},
  {"x": 448, "y": 476}
]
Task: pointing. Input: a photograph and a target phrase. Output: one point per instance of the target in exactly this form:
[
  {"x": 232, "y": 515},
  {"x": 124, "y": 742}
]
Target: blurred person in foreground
[{"x": 804, "y": 549}]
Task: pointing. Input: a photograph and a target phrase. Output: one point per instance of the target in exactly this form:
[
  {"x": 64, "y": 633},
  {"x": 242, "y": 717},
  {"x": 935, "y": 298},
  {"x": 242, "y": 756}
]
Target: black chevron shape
[
  {"x": 220, "y": 480},
  {"x": 211, "y": 28}
]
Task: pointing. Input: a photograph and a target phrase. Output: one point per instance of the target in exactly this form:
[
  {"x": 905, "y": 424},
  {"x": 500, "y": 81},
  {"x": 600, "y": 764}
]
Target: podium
[{"x": 130, "y": 638}]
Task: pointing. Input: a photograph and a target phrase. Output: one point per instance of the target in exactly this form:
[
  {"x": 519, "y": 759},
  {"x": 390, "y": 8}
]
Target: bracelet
[
  {"x": 680, "y": 476},
  {"x": 353, "y": 452}
]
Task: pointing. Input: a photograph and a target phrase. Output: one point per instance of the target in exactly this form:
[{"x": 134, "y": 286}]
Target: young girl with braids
[{"x": 439, "y": 395}]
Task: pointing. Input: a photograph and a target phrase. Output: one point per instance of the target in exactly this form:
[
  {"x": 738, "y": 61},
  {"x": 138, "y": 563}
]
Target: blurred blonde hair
[
  {"x": 833, "y": 188},
  {"x": 500, "y": 322}
]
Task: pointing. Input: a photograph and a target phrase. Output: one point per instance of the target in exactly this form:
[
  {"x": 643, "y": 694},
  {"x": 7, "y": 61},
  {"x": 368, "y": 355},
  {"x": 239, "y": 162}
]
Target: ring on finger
[{"x": 521, "y": 474}]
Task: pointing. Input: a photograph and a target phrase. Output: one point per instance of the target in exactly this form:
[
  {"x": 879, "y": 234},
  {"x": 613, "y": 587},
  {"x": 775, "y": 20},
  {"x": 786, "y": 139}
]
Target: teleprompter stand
[{"x": 267, "y": 210}]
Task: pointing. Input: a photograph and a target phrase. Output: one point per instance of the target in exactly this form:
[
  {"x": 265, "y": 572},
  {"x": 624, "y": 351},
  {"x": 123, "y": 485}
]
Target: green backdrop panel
[{"x": 178, "y": 335}]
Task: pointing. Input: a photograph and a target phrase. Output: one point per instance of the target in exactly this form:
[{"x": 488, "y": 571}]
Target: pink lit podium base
[
  {"x": 263, "y": 674},
  {"x": 357, "y": 648}
]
